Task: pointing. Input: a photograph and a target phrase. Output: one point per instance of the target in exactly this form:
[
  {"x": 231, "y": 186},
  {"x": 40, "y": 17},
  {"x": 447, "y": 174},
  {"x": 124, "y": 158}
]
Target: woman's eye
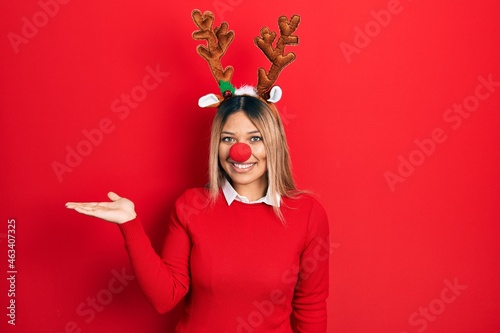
[
  {"x": 256, "y": 138},
  {"x": 227, "y": 139}
]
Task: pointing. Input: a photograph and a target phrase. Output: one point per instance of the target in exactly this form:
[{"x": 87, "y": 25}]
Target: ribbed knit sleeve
[
  {"x": 164, "y": 278},
  {"x": 311, "y": 291}
]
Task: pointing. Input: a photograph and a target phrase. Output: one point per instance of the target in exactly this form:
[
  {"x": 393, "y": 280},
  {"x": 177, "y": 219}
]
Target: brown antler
[
  {"x": 277, "y": 57},
  {"x": 218, "y": 41}
]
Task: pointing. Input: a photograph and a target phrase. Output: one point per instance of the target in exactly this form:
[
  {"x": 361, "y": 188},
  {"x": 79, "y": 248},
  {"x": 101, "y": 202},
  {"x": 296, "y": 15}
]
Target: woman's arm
[
  {"x": 164, "y": 279},
  {"x": 311, "y": 291}
]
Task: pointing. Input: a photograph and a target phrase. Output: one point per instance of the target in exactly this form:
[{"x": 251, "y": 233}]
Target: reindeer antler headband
[{"x": 218, "y": 40}]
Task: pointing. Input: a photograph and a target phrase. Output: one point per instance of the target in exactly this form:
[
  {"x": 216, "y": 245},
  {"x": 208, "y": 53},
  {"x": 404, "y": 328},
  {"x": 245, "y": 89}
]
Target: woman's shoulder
[
  {"x": 306, "y": 209},
  {"x": 303, "y": 199},
  {"x": 194, "y": 195},
  {"x": 304, "y": 204},
  {"x": 191, "y": 203}
]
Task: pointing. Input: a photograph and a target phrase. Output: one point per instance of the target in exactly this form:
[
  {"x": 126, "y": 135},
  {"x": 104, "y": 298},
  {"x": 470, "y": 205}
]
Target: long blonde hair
[{"x": 268, "y": 122}]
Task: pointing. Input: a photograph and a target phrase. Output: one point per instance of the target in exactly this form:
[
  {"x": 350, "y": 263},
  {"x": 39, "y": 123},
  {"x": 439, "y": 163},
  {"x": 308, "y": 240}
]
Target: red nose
[{"x": 240, "y": 152}]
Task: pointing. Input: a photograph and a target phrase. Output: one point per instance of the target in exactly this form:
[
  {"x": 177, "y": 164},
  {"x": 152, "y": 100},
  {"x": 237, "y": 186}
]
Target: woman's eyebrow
[{"x": 231, "y": 133}]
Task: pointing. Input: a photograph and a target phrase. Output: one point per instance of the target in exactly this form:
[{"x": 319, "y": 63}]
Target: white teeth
[{"x": 243, "y": 166}]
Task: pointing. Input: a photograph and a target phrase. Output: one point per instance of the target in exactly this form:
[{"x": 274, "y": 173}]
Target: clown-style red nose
[{"x": 240, "y": 152}]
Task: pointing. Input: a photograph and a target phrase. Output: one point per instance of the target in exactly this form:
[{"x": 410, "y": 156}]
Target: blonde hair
[{"x": 268, "y": 122}]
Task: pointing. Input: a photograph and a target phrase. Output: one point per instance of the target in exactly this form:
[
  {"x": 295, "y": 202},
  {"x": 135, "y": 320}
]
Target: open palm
[{"x": 119, "y": 210}]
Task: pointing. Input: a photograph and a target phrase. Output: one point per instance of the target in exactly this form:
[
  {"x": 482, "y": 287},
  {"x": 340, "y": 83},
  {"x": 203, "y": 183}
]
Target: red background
[{"x": 349, "y": 121}]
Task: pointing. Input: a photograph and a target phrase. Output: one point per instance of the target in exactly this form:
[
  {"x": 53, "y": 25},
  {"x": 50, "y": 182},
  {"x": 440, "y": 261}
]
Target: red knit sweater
[{"x": 239, "y": 267}]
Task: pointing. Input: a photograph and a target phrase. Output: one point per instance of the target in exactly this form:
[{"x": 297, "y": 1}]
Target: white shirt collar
[{"x": 230, "y": 194}]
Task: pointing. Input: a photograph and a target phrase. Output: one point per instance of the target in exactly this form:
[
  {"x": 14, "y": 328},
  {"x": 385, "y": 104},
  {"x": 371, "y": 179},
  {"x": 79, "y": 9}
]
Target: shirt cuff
[{"x": 132, "y": 230}]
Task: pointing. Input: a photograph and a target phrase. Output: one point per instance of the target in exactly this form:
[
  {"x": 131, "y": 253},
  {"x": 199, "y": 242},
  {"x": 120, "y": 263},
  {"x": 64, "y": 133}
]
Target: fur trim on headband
[
  {"x": 274, "y": 95},
  {"x": 246, "y": 90},
  {"x": 212, "y": 100}
]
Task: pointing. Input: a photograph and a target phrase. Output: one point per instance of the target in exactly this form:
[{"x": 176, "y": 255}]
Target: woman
[{"x": 249, "y": 252}]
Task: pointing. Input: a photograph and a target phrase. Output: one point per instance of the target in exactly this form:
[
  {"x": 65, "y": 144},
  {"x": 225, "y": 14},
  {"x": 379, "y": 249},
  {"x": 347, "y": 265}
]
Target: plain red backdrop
[{"x": 408, "y": 217}]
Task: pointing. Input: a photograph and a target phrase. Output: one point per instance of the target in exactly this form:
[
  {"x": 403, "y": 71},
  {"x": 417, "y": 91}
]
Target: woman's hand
[{"x": 119, "y": 210}]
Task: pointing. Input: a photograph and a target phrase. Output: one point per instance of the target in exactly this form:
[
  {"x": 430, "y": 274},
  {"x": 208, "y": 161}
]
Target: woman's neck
[{"x": 253, "y": 191}]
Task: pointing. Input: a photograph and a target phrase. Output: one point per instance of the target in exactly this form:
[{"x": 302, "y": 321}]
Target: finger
[
  {"x": 91, "y": 207},
  {"x": 72, "y": 205},
  {"x": 81, "y": 204},
  {"x": 86, "y": 211},
  {"x": 113, "y": 196}
]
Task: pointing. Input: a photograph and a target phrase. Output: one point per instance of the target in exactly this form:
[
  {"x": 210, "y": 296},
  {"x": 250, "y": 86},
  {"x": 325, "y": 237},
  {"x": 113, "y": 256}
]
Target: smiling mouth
[{"x": 243, "y": 166}]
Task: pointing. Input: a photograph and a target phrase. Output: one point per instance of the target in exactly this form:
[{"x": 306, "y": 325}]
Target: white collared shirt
[{"x": 230, "y": 194}]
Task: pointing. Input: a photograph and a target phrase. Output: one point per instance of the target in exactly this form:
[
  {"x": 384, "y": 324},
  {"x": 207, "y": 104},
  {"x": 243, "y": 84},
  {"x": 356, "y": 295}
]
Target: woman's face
[{"x": 248, "y": 177}]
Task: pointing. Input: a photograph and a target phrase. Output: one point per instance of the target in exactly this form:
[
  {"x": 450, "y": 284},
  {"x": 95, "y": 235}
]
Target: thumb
[{"x": 113, "y": 196}]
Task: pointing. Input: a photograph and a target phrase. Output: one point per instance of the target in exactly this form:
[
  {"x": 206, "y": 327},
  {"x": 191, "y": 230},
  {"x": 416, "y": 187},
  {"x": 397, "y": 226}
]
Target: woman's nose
[{"x": 240, "y": 152}]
